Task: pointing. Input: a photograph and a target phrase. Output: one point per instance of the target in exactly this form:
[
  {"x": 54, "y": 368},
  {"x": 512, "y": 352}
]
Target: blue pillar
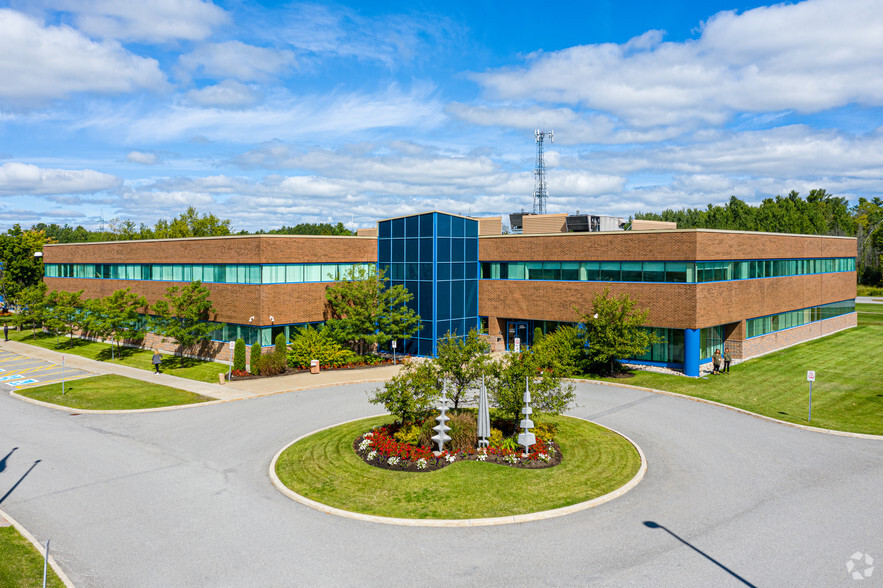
[{"x": 691, "y": 352}]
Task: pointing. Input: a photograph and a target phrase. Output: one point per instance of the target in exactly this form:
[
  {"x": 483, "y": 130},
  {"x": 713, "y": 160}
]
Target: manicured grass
[
  {"x": 847, "y": 394},
  {"x": 325, "y": 468},
  {"x": 21, "y": 565},
  {"x": 194, "y": 369},
  {"x": 111, "y": 392}
]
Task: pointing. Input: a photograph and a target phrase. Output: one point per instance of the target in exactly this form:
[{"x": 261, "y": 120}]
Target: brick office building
[{"x": 754, "y": 292}]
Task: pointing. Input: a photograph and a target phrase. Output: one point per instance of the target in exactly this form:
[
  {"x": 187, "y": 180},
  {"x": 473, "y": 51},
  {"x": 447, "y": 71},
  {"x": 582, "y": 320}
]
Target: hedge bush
[
  {"x": 255, "y": 358},
  {"x": 239, "y": 355}
]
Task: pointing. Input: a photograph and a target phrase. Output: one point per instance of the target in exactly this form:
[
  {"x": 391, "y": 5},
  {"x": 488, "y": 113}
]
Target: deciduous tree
[
  {"x": 614, "y": 330},
  {"x": 461, "y": 361},
  {"x": 362, "y": 310},
  {"x": 184, "y": 314}
]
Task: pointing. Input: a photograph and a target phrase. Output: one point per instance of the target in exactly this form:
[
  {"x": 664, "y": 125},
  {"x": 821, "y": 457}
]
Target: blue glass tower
[{"x": 435, "y": 256}]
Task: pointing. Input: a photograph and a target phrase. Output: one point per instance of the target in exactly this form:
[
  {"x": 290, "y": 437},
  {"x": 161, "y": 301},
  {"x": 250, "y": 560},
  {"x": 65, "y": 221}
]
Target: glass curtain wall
[{"x": 434, "y": 256}]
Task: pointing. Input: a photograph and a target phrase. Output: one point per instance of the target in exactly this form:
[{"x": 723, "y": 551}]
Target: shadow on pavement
[
  {"x": 653, "y": 525},
  {"x": 3, "y": 461},
  {"x": 14, "y": 486}
]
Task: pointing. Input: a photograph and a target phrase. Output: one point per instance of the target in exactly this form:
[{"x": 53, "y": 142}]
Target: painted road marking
[
  {"x": 47, "y": 382},
  {"x": 21, "y": 382},
  {"x": 5, "y": 378}
]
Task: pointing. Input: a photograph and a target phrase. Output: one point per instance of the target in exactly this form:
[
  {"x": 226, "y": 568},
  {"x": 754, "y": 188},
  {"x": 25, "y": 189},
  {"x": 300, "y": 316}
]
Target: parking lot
[{"x": 18, "y": 372}]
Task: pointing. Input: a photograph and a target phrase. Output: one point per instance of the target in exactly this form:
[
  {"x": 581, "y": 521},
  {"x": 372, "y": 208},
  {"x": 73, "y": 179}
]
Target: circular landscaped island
[{"x": 325, "y": 470}]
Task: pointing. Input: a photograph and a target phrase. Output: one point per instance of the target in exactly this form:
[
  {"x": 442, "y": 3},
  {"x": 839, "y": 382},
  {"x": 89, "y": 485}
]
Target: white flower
[
  {"x": 543, "y": 456},
  {"x": 450, "y": 458},
  {"x": 365, "y": 444},
  {"x": 372, "y": 455},
  {"x": 421, "y": 463},
  {"x": 392, "y": 460}
]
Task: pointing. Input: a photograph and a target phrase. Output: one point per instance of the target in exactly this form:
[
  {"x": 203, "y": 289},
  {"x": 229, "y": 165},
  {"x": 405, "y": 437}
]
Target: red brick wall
[
  {"x": 780, "y": 339},
  {"x": 670, "y": 305},
  {"x": 681, "y": 245},
  {"x": 234, "y": 303},
  {"x": 244, "y": 249}
]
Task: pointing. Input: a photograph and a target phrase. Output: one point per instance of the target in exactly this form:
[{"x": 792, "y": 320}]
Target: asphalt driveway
[{"x": 182, "y": 498}]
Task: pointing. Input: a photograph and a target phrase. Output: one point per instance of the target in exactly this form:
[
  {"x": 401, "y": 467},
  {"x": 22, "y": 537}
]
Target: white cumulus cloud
[
  {"x": 154, "y": 21},
  {"x": 806, "y": 57},
  {"x": 227, "y": 94},
  {"x": 23, "y": 178},
  {"x": 234, "y": 59},
  {"x": 39, "y": 62}
]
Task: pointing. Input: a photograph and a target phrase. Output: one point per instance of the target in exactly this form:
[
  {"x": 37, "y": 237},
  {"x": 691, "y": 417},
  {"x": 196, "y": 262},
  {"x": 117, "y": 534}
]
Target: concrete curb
[
  {"x": 739, "y": 410},
  {"x": 486, "y": 522},
  {"x": 181, "y": 406},
  {"x": 127, "y": 411},
  {"x": 40, "y": 548}
]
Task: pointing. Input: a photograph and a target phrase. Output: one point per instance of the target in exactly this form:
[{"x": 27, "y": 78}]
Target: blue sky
[{"x": 280, "y": 113}]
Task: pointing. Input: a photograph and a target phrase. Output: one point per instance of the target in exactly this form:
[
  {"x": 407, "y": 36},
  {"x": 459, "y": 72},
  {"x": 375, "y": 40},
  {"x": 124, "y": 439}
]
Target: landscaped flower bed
[{"x": 379, "y": 448}]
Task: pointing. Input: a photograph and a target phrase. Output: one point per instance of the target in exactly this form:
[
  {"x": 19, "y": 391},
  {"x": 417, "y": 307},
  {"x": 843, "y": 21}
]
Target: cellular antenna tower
[{"x": 539, "y": 184}]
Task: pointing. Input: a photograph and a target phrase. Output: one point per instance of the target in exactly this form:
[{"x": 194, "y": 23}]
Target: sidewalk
[
  {"x": 306, "y": 380},
  {"x": 235, "y": 390}
]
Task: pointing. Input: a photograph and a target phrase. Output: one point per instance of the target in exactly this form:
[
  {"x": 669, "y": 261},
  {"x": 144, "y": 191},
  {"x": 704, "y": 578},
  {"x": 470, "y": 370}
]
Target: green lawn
[
  {"x": 325, "y": 468},
  {"x": 194, "y": 369},
  {"x": 111, "y": 392},
  {"x": 21, "y": 565},
  {"x": 847, "y": 394}
]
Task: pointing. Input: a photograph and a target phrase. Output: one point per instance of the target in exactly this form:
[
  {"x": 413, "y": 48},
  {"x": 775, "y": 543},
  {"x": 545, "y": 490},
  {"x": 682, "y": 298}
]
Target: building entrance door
[{"x": 516, "y": 330}]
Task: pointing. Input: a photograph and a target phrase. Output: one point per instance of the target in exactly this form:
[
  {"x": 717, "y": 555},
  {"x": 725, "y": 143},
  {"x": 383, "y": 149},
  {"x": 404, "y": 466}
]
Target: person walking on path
[
  {"x": 6, "y": 332},
  {"x": 716, "y": 361},
  {"x": 727, "y": 359},
  {"x": 157, "y": 359}
]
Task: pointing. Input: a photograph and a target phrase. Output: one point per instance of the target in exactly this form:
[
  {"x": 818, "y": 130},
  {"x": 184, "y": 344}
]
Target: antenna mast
[{"x": 539, "y": 186}]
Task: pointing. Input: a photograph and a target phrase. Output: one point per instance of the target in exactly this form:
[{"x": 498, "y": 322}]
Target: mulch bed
[{"x": 438, "y": 462}]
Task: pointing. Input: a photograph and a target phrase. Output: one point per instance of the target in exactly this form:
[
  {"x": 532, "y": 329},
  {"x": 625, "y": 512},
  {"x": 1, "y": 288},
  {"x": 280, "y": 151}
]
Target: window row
[
  {"x": 795, "y": 318},
  {"x": 661, "y": 271},
  {"x": 291, "y": 273}
]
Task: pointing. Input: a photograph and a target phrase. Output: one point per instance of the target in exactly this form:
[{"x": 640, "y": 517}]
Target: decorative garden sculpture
[
  {"x": 442, "y": 428},
  {"x": 484, "y": 417},
  {"x": 526, "y": 438}
]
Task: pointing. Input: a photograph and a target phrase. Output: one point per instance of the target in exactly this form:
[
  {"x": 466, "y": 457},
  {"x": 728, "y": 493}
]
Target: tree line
[{"x": 820, "y": 213}]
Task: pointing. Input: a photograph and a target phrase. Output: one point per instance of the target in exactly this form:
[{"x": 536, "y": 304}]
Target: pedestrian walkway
[{"x": 236, "y": 390}]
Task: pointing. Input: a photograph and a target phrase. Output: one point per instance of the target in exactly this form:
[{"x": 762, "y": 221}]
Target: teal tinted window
[
  {"x": 610, "y": 271},
  {"x": 654, "y": 271}
]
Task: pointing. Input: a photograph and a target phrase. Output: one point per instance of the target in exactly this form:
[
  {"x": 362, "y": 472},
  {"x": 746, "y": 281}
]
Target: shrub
[
  {"x": 537, "y": 335},
  {"x": 255, "y": 358},
  {"x": 496, "y": 438},
  {"x": 464, "y": 431},
  {"x": 272, "y": 364},
  {"x": 281, "y": 345},
  {"x": 310, "y": 343},
  {"x": 409, "y": 433},
  {"x": 239, "y": 355},
  {"x": 410, "y": 393},
  {"x": 546, "y": 430}
]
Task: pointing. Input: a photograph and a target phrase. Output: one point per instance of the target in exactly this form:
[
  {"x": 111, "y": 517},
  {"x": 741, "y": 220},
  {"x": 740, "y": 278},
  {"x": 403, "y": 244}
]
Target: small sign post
[
  {"x": 517, "y": 345},
  {"x": 810, "y": 377},
  {"x": 394, "y": 351},
  {"x": 62, "y": 375}
]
